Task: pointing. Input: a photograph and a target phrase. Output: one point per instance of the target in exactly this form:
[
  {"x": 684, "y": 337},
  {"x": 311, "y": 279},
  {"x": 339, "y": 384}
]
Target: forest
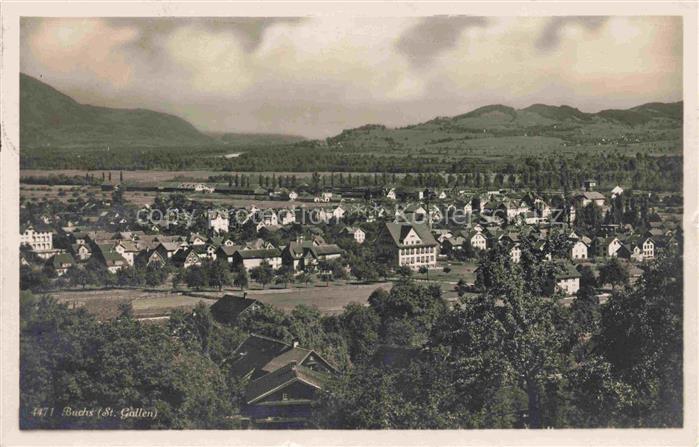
[{"x": 507, "y": 357}]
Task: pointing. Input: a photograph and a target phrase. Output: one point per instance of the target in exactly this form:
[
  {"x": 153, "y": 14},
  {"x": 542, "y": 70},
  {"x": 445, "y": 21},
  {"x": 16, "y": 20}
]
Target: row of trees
[{"x": 540, "y": 171}]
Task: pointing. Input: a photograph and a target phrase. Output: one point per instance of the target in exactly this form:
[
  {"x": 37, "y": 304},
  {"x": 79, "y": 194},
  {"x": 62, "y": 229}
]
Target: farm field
[
  {"x": 60, "y": 193},
  {"x": 104, "y": 304},
  {"x": 151, "y": 176},
  {"x": 329, "y": 300}
]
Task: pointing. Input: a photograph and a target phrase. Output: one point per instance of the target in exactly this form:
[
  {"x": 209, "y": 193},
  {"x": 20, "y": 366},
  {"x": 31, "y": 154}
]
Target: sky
[{"x": 315, "y": 76}]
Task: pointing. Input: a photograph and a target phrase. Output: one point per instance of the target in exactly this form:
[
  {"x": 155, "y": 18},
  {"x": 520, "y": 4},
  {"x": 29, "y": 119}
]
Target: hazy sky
[{"x": 317, "y": 76}]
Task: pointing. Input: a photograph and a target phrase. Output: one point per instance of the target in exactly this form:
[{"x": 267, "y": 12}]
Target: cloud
[
  {"x": 86, "y": 47},
  {"x": 432, "y": 35},
  {"x": 249, "y": 31},
  {"x": 551, "y": 35},
  {"x": 318, "y": 75}
]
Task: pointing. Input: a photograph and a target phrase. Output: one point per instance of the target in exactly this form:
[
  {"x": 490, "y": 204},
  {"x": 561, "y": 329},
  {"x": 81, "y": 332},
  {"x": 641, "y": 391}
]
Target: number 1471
[{"x": 42, "y": 411}]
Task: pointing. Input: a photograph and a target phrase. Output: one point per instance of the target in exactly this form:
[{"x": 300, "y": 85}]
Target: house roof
[
  {"x": 39, "y": 228},
  {"x": 592, "y": 195},
  {"x": 280, "y": 378},
  {"x": 260, "y": 354},
  {"x": 262, "y": 253},
  {"x": 229, "y": 307},
  {"x": 568, "y": 271},
  {"x": 129, "y": 245},
  {"x": 255, "y": 352},
  {"x": 325, "y": 249},
  {"x": 455, "y": 241},
  {"x": 295, "y": 354},
  {"x": 76, "y": 247},
  {"x": 399, "y": 231},
  {"x": 194, "y": 236},
  {"x": 229, "y": 250},
  {"x": 61, "y": 259},
  {"x": 169, "y": 246},
  {"x": 112, "y": 257}
]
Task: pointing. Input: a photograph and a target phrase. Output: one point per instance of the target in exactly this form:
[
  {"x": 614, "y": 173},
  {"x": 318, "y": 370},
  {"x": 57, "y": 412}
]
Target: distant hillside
[
  {"x": 538, "y": 124},
  {"x": 256, "y": 139},
  {"x": 48, "y": 118}
]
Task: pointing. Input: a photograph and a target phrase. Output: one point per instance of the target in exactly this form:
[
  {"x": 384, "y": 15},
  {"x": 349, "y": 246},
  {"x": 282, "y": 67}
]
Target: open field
[
  {"x": 329, "y": 300},
  {"x": 146, "y": 303},
  {"x": 104, "y": 304},
  {"x": 60, "y": 193},
  {"x": 151, "y": 176}
]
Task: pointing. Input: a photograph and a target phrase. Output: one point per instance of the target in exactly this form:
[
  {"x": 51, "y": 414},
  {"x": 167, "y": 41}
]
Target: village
[
  {"x": 423, "y": 230},
  {"x": 335, "y": 242}
]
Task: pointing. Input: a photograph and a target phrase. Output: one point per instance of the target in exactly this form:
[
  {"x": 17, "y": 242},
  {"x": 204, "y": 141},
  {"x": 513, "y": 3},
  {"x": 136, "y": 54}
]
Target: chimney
[{"x": 245, "y": 294}]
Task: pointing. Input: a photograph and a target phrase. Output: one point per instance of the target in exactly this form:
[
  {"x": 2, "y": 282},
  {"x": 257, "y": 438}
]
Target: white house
[
  {"x": 617, "y": 191},
  {"x": 613, "y": 247},
  {"x": 357, "y": 233},
  {"x": 477, "y": 239},
  {"x": 128, "y": 250},
  {"x": 39, "y": 238},
  {"x": 579, "y": 250},
  {"x": 217, "y": 221},
  {"x": 589, "y": 197},
  {"x": 196, "y": 239},
  {"x": 286, "y": 217},
  {"x": 254, "y": 258},
  {"x": 643, "y": 249},
  {"x": 338, "y": 213},
  {"x": 515, "y": 253},
  {"x": 568, "y": 281},
  {"x": 324, "y": 197}
]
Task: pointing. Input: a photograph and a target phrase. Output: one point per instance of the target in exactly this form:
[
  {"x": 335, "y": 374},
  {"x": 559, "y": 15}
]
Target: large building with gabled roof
[{"x": 411, "y": 245}]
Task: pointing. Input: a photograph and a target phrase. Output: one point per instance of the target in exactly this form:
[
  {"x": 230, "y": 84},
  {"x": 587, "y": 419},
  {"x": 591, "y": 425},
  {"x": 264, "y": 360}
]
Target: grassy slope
[{"x": 50, "y": 118}]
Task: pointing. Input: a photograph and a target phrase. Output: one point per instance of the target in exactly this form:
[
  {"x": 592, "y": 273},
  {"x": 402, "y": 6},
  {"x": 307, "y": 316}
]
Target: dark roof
[
  {"x": 326, "y": 249},
  {"x": 255, "y": 352},
  {"x": 259, "y": 355},
  {"x": 229, "y": 250},
  {"x": 399, "y": 231},
  {"x": 39, "y": 228},
  {"x": 295, "y": 354},
  {"x": 569, "y": 271},
  {"x": 229, "y": 308},
  {"x": 281, "y": 378},
  {"x": 76, "y": 247},
  {"x": 62, "y": 258},
  {"x": 262, "y": 253},
  {"x": 592, "y": 195}
]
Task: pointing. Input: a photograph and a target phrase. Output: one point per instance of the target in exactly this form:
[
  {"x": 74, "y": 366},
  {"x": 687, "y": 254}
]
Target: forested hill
[
  {"x": 48, "y": 118},
  {"x": 540, "y": 123}
]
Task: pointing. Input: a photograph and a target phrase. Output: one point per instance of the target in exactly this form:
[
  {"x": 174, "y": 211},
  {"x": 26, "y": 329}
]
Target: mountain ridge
[{"x": 50, "y": 118}]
